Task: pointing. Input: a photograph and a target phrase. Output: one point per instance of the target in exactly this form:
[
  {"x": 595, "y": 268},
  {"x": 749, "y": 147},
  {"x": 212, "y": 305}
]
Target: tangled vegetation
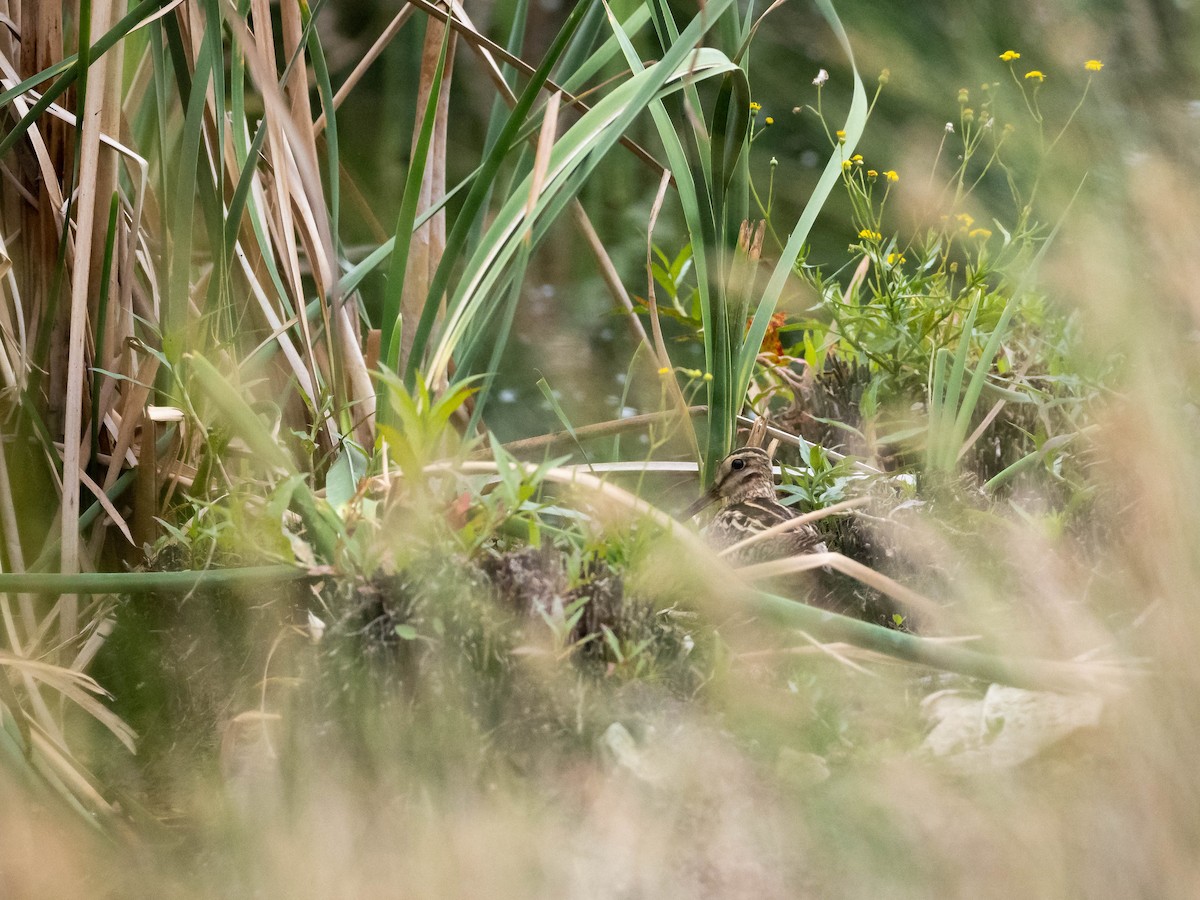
[{"x": 354, "y": 374}]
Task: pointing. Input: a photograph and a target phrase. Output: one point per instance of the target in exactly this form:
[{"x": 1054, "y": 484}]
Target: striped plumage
[{"x": 745, "y": 487}]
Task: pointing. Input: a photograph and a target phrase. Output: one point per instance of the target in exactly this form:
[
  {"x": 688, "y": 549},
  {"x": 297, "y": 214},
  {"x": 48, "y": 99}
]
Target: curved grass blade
[
  {"x": 574, "y": 157},
  {"x": 855, "y": 122},
  {"x": 473, "y": 205}
]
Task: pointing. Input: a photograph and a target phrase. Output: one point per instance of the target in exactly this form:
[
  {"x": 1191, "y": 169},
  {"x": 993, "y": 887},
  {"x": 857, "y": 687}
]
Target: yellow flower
[
  {"x": 841, "y": 136},
  {"x": 1010, "y": 55},
  {"x": 708, "y": 376},
  {"x": 1036, "y": 76},
  {"x": 847, "y": 165},
  {"x": 665, "y": 370},
  {"x": 755, "y": 107},
  {"x": 857, "y": 159},
  {"x": 896, "y": 259},
  {"x": 872, "y": 174},
  {"x": 1093, "y": 65},
  {"x": 868, "y": 235},
  {"x": 891, "y": 175},
  {"x": 963, "y": 95},
  {"x": 966, "y": 220},
  {"x": 770, "y": 120},
  {"x": 979, "y": 233}
]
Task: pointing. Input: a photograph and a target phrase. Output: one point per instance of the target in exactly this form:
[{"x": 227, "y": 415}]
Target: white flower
[
  {"x": 949, "y": 128},
  {"x": 821, "y": 78}
]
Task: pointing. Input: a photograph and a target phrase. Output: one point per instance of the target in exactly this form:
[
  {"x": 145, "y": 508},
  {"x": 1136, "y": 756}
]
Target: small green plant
[{"x": 941, "y": 331}]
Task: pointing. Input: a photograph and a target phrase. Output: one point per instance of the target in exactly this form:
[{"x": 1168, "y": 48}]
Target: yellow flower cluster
[
  {"x": 755, "y": 107},
  {"x": 979, "y": 233},
  {"x": 1092, "y": 65},
  {"x": 868, "y": 235},
  {"x": 896, "y": 259},
  {"x": 891, "y": 175}
]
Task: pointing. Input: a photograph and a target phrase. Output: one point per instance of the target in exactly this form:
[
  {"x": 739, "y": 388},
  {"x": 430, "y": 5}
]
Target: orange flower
[{"x": 771, "y": 342}]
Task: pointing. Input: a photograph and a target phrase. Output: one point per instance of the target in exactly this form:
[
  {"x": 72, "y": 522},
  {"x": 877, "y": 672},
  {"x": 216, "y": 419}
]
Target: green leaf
[{"x": 348, "y": 469}]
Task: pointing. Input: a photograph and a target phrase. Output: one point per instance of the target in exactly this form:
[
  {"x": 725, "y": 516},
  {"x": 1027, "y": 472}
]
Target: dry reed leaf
[
  {"x": 608, "y": 271},
  {"x": 69, "y": 771},
  {"x": 915, "y": 603},
  {"x": 834, "y": 651},
  {"x": 102, "y": 498},
  {"x": 133, "y": 400},
  {"x": 541, "y": 158},
  {"x": 89, "y": 204},
  {"x": 76, "y": 686},
  {"x": 41, "y": 153},
  {"x": 13, "y": 347},
  {"x": 290, "y": 157}
]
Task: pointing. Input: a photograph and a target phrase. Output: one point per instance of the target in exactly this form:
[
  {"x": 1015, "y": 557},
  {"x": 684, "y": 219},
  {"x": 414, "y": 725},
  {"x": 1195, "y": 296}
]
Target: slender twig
[
  {"x": 608, "y": 271},
  {"x": 914, "y": 602},
  {"x": 599, "y": 429}
]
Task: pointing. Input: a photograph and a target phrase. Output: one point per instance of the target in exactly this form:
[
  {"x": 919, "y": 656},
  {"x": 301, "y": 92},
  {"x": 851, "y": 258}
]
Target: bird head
[{"x": 742, "y": 474}]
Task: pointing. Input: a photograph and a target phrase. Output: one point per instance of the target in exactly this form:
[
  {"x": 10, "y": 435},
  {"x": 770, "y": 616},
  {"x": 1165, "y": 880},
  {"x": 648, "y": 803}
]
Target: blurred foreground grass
[{"x": 439, "y": 740}]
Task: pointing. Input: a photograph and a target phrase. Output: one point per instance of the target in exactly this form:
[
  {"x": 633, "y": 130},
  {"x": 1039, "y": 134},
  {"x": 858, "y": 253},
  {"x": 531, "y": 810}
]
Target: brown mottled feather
[{"x": 745, "y": 488}]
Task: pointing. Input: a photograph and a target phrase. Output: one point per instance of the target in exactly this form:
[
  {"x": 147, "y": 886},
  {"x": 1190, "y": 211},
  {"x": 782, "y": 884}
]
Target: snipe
[{"x": 745, "y": 488}]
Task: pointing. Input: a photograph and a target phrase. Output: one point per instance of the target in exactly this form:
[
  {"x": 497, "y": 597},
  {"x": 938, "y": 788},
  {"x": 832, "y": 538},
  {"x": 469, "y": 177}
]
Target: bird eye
[{"x": 738, "y": 464}]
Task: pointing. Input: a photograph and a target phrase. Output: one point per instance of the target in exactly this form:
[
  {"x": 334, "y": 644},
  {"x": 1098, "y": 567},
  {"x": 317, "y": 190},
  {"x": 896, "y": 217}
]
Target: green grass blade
[
  {"x": 148, "y": 582},
  {"x": 70, "y": 72},
  {"x": 183, "y": 196},
  {"x": 935, "y": 431},
  {"x": 607, "y": 51},
  {"x": 947, "y": 450},
  {"x": 242, "y": 420},
  {"x": 574, "y": 156},
  {"x": 855, "y": 122},
  {"x": 110, "y": 240},
  {"x": 698, "y": 217},
  {"x": 473, "y": 205},
  {"x": 1032, "y": 674}
]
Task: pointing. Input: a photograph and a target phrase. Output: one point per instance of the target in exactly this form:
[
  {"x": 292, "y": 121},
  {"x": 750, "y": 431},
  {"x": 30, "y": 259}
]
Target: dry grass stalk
[
  {"x": 90, "y": 204},
  {"x": 428, "y": 242}
]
